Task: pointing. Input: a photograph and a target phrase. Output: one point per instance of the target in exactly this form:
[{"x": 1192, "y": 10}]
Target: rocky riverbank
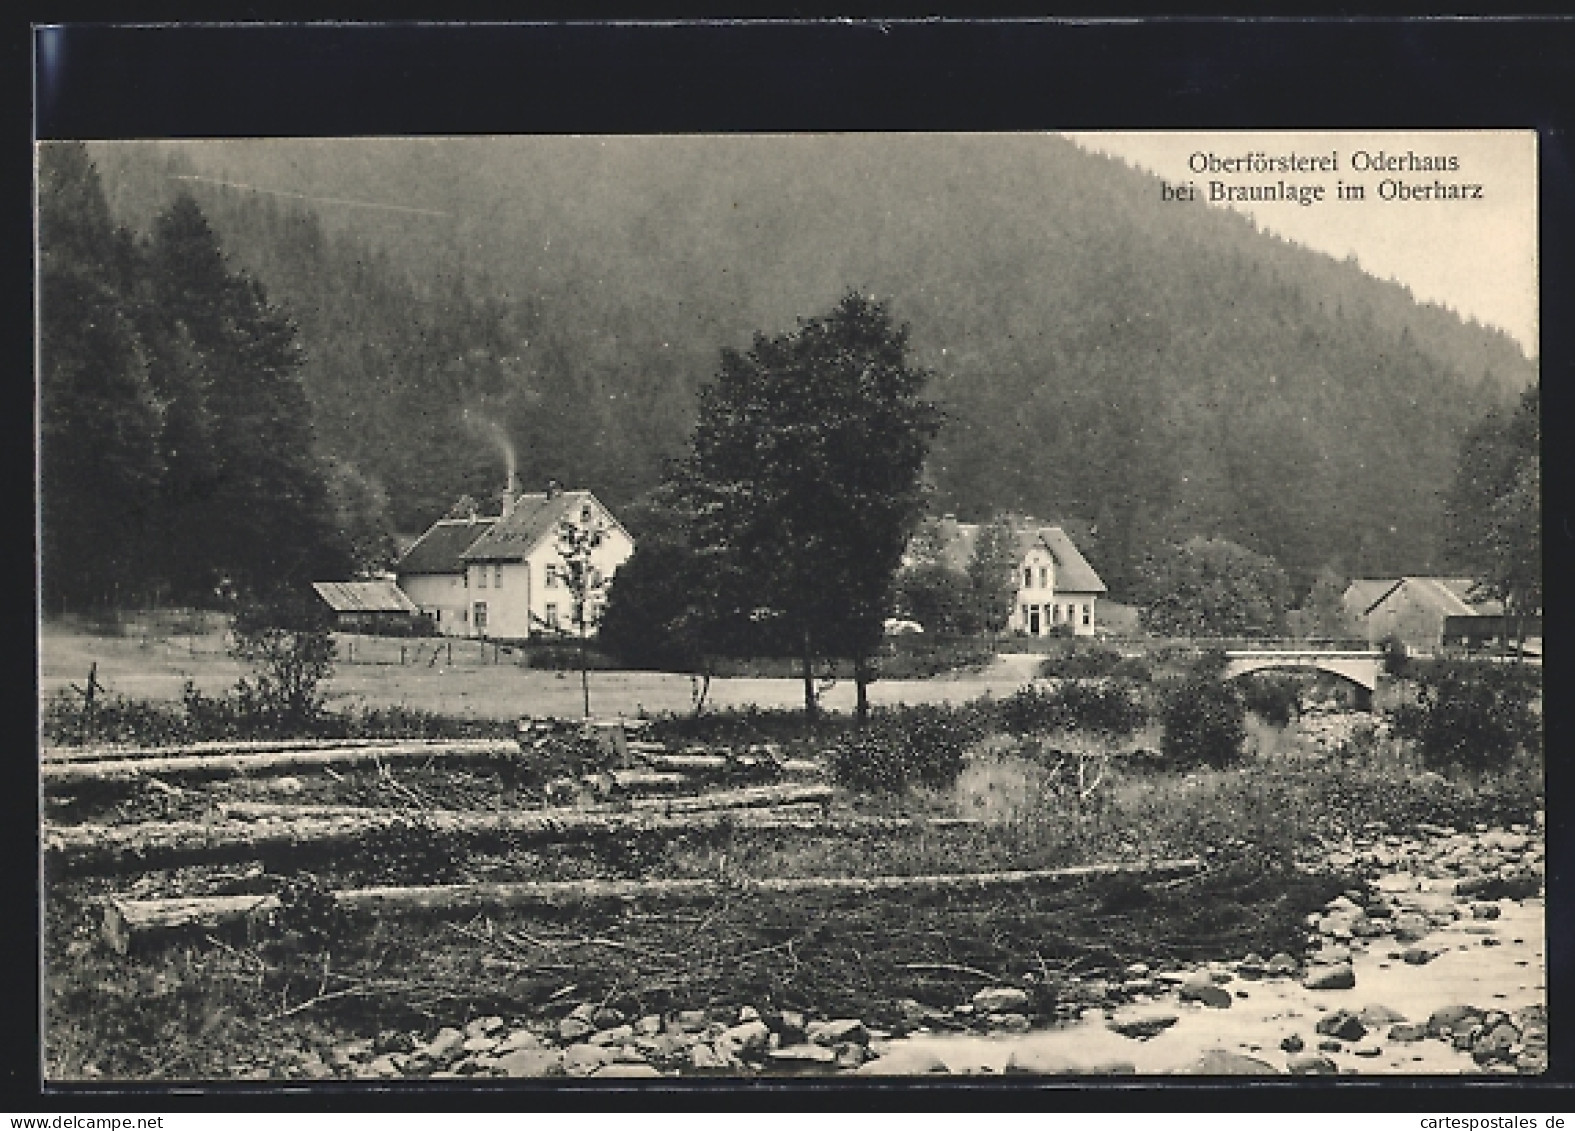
[{"x": 1437, "y": 966}]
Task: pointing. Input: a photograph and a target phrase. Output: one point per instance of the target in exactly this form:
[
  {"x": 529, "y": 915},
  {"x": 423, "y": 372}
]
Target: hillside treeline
[
  {"x": 176, "y": 456},
  {"x": 1149, "y": 373}
]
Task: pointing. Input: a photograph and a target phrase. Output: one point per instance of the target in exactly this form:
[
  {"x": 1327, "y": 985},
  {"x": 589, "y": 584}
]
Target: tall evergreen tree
[
  {"x": 99, "y": 417},
  {"x": 245, "y": 502}
]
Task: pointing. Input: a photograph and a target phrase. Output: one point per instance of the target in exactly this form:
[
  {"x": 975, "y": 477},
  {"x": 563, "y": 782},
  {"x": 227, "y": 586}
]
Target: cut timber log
[
  {"x": 614, "y": 782},
  {"x": 67, "y": 773},
  {"x": 725, "y": 763},
  {"x": 806, "y": 797},
  {"x": 87, "y": 848},
  {"x": 128, "y": 921},
  {"x": 218, "y": 746}
]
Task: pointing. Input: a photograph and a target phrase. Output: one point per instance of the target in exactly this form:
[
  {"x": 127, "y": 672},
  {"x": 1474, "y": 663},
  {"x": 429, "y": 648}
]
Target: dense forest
[{"x": 1145, "y": 372}]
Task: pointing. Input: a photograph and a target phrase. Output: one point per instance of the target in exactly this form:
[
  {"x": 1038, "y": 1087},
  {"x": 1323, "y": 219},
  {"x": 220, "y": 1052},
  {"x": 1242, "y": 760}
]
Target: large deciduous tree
[
  {"x": 1494, "y": 509},
  {"x": 805, "y": 473},
  {"x": 1211, "y": 587}
]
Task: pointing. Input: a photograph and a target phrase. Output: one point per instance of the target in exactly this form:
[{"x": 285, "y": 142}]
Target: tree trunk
[
  {"x": 585, "y": 671},
  {"x": 811, "y": 706},
  {"x": 129, "y": 921},
  {"x": 861, "y": 682}
]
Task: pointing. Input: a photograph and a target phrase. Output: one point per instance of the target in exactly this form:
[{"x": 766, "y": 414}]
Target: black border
[{"x": 1167, "y": 72}]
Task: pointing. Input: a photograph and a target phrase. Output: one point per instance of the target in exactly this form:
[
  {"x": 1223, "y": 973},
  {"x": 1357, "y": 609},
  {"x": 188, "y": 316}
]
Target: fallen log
[
  {"x": 613, "y": 782},
  {"x": 728, "y": 763},
  {"x": 129, "y": 921},
  {"x": 757, "y": 797},
  {"x": 77, "y": 771},
  {"x": 217, "y": 747},
  {"x": 110, "y": 848}
]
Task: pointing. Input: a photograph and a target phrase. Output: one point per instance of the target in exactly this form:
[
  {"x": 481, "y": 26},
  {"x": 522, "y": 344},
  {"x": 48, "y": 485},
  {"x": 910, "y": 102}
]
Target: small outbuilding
[{"x": 368, "y": 606}]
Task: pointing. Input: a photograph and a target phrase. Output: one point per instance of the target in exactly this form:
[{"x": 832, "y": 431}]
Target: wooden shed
[{"x": 368, "y": 606}]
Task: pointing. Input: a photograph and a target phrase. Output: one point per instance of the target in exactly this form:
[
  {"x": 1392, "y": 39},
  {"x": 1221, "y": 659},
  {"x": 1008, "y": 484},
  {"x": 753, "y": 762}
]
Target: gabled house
[
  {"x": 1057, "y": 590},
  {"x": 501, "y": 577},
  {"x": 432, "y": 575},
  {"x": 1416, "y": 610}
]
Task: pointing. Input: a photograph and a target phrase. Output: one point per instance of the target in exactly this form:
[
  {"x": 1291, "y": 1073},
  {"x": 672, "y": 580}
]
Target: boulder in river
[
  {"x": 1311, "y": 1064},
  {"x": 1342, "y": 1023},
  {"x": 1001, "y": 999},
  {"x": 1336, "y": 977},
  {"x": 1141, "y": 1024},
  {"x": 1222, "y": 1062}
]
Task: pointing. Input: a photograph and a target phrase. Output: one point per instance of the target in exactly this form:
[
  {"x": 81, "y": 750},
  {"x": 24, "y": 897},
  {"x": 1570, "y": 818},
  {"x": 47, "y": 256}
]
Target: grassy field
[{"x": 157, "y": 665}]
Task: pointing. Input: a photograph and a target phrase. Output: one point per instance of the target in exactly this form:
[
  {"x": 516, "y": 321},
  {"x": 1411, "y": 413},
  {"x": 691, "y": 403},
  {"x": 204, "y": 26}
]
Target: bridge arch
[{"x": 1360, "y": 669}]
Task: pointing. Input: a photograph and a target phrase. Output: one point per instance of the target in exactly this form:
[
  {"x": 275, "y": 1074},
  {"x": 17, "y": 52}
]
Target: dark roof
[
  {"x": 1073, "y": 573},
  {"x": 533, "y": 518},
  {"x": 439, "y": 549},
  {"x": 364, "y": 597}
]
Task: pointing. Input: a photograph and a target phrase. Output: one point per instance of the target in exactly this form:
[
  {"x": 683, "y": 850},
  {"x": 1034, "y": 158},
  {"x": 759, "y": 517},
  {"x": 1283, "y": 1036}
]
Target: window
[
  {"x": 481, "y": 616},
  {"x": 1055, "y": 614},
  {"x": 1028, "y": 577},
  {"x": 1025, "y": 614},
  {"x": 481, "y": 577},
  {"x": 497, "y": 576},
  {"x": 1088, "y": 614},
  {"x": 552, "y": 575},
  {"x": 1044, "y": 577},
  {"x": 585, "y": 514},
  {"x": 552, "y": 616}
]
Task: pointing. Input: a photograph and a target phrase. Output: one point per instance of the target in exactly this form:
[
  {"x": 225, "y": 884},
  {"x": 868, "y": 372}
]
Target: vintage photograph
[{"x": 791, "y": 606}]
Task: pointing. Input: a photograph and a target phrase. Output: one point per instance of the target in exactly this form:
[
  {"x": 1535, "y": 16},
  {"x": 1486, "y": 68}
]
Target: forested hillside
[{"x": 1156, "y": 371}]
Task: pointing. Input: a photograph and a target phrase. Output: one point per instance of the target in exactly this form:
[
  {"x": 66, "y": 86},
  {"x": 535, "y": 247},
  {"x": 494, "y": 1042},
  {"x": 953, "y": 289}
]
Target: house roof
[
  {"x": 439, "y": 549},
  {"x": 533, "y": 519},
  {"x": 364, "y": 597},
  {"x": 1450, "y": 595},
  {"x": 1363, "y": 593},
  {"x": 1073, "y": 573}
]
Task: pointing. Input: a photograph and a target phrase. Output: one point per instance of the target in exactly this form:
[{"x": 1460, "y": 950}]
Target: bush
[
  {"x": 1475, "y": 716},
  {"x": 907, "y": 746},
  {"x": 1106, "y": 708},
  {"x": 1273, "y": 698},
  {"x": 1397, "y": 659},
  {"x": 920, "y": 657},
  {"x": 1095, "y": 661},
  {"x": 1205, "y": 724},
  {"x": 289, "y": 646}
]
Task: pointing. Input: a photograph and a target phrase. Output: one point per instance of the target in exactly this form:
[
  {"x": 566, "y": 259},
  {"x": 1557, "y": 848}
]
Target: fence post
[
  {"x": 450, "y": 653},
  {"x": 401, "y": 655}
]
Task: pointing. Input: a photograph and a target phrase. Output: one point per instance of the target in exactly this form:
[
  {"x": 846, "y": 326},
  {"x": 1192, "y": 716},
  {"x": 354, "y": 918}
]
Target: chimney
[
  {"x": 554, "y": 489},
  {"x": 511, "y": 491}
]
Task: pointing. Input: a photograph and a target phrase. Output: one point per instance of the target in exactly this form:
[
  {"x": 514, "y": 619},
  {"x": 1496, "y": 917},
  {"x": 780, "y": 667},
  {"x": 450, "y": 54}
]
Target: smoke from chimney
[{"x": 500, "y": 440}]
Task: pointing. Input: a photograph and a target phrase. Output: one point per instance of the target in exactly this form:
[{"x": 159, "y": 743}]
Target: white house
[
  {"x": 1056, "y": 587},
  {"x": 502, "y": 577}
]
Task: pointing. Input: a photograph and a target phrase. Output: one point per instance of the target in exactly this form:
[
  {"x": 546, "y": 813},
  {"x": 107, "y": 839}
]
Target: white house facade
[
  {"x": 1057, "y": 590},
  {"x": 502, "y": 578}
]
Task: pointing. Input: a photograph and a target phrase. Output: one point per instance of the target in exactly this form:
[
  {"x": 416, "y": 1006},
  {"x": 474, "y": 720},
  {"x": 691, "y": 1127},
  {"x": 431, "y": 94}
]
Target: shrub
[
  {"x": 1205, "y": 723},
  {"x": 291, "y": 651},
  {"x": 1475, "y": 716},
  {"x": 907, "y": 746},
  {"x": 1397, "y": 660},
  {"x": 1272, "y": 698},
  {"x": 1107, "y": 708},
  {"x": 1095, "y": 661}
]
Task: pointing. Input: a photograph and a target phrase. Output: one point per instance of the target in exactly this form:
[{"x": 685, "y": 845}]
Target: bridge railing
[{"x": 1275, "y": 643}]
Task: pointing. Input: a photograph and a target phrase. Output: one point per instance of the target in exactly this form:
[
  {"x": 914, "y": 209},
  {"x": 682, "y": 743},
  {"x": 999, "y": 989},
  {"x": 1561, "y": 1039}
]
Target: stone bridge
[{"x": 1359, "y": 668}]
